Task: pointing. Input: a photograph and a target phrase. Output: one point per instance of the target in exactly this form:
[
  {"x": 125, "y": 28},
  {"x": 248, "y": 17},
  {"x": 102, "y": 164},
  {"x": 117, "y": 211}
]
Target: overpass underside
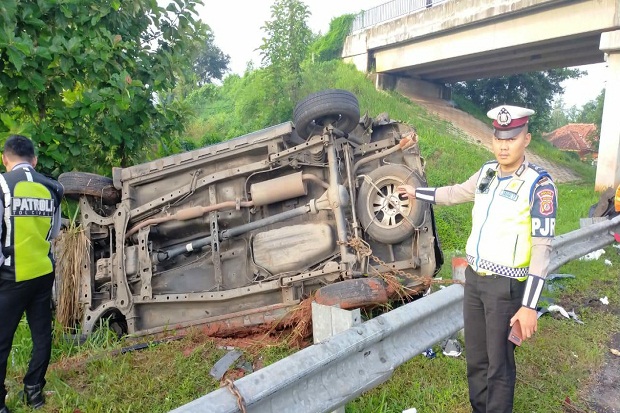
[
  {"x": 570, "y": 51},
  {"x": 535, "y": 35}
]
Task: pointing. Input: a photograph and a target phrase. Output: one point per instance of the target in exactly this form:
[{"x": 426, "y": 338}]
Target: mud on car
[{"x": 234, "y": 235}]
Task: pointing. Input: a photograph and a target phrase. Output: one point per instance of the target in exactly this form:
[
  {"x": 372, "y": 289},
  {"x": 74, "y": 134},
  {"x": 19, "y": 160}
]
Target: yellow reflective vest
[
  {"x": 30, "y": 201},
  {"x": 501, "y": 238}
]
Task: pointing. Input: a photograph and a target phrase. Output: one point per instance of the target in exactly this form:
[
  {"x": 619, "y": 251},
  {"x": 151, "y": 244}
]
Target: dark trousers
[
  {"x": 34, "y": 298},
  {"x": 488, "y": 305}
]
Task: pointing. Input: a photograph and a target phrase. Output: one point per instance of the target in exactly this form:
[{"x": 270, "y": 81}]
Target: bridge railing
[{"x": 389, "y": 11}]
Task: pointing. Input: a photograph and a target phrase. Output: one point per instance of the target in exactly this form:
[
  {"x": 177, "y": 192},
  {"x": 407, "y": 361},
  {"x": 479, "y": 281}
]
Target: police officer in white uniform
[{"x": 508, "y": 251}]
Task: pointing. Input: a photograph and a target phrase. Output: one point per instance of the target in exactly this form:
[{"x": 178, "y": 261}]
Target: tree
[
  {"x": 211, "y": 63},
  {"x": 286, "y": 43},
  {"x": 592, "y": 112},
  {"x": 534, "y": 90},
  {"x": 90, "y": 81}
]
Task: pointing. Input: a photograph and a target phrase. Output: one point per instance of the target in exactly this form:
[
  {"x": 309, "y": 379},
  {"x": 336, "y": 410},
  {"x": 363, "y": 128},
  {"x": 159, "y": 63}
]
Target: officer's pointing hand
[{"x": 407, "y": 190}]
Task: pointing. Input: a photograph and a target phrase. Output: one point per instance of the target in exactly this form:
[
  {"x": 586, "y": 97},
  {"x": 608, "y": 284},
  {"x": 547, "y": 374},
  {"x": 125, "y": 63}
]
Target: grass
[{"x": 558, "y": 363}]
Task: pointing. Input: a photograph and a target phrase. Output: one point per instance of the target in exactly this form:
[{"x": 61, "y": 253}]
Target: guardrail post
[{"x": 328, "y": 321}]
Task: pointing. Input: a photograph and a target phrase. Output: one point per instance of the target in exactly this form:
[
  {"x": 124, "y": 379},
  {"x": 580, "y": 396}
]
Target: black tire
[
  {"x": 355, "y": 293},
  {"x": 605, "y": 205},
  {"x": 339, "y": 108},
  {"x": 384, "y": 214},
  {"x": 77, "y": 184}
]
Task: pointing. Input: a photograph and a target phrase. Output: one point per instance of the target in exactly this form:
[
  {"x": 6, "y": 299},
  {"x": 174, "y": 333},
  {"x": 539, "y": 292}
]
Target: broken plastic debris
[
  {"x": 574, "y": 317},
  {"x": 557, "y": 308},
  {"x": 223, "y": 364},
  {"x": 594, "y": 255},
  {"x": 608, "y": 263},
  {"x": 451, "y": 348},
  {"x": 542, "y": 311},
  {"x": 429, "y": 353},
  {"x": 556, "y": 276},
  {"x": 412, "y": 410},
  {"x": 604, "y": 300},
  {"x": 614, "y": 352}
]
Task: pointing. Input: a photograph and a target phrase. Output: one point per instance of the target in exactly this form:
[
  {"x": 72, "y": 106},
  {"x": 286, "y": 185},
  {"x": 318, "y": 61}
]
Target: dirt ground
[{"x": 605, "y": 389}]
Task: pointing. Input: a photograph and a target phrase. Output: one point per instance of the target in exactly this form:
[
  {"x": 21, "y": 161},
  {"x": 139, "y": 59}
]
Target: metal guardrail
[
  {"x": 575, "y": 244},
  {"x": 325, "y": 376},
  {"x": 389, "y": 11}
]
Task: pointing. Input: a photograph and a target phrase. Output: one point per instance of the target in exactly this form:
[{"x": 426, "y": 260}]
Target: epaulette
[
  {"x": 544, "y": 180},
  {"x": 538, "y": 169}
]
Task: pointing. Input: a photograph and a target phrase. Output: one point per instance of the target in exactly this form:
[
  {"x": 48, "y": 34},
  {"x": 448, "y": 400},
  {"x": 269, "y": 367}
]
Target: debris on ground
[
  {"x": 559, "y": 309},
  {"x": 608, "y": 263},
  {"x": 604, "y": 300},
  {"x": 221, "y": 367},
  {"x": 594, "y": 255},
  {"x": 430, "y": 353},
  {"x": 614, "y": 351},
  {"x": 551, "y": 277},
  {"x": 575, "y": 317},
  {"x": 451, "y": 347},
  {"x": 412, "y": 410}
]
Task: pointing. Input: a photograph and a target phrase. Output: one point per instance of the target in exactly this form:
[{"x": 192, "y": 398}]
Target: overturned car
[{"x": 234, "y": 235}]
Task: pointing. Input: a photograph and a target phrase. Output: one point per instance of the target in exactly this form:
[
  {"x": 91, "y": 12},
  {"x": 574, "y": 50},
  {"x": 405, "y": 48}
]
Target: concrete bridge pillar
[
  {"x": 408, "y": 86},
  {"x": 608, "y": 167}
]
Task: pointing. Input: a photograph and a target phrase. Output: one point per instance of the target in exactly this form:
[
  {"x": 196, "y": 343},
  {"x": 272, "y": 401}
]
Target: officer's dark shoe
[
  {"x": 33, "y": 395},
  {"x": 5, "y": 410}
]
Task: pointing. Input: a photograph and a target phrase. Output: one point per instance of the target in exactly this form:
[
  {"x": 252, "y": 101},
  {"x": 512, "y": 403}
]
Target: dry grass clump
[{"x": 71, "y": 251}]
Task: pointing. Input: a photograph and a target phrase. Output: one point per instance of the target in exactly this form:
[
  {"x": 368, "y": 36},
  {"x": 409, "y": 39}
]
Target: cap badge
[{"x": 503, "y": 117}]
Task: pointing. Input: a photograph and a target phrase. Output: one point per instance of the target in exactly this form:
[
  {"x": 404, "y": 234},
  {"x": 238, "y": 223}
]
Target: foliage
[
  {"x": 90, "y": 81},
  {"x": 285, "y": 47},
  {"x": 329, "y": 46},
  {"x": 592, "y": 112},
  {"x": 211, "y": 63},
  {"x": 534, "y": 90}
]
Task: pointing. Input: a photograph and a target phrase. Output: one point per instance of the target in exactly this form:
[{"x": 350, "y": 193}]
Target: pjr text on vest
[{"x": 543, "y": 227}]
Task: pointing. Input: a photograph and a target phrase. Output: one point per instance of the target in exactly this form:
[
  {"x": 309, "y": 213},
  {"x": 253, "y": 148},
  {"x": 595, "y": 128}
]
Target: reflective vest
[
  {"x": 30, "y": 202},
  {"x": 501, "y": 238}
]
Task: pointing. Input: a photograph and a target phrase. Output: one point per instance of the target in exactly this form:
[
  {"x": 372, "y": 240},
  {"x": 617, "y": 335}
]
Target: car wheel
[
  {"x": 82, "y": 183},
  {"x": 386, "y": 215},
  {"x": 339, "y": 108}
]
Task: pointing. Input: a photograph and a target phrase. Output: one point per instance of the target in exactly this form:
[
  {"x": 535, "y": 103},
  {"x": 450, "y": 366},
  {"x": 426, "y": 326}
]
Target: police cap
[{"x": 509, "y": 121}]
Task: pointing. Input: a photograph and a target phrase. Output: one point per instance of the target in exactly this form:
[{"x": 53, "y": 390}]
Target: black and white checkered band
[{"x": 484, "y": 265}]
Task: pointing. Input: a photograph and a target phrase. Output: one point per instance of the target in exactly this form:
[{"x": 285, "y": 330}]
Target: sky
[{"x": 237, "y": 26}]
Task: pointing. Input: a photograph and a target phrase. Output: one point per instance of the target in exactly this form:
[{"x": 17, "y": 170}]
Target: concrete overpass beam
[
  {"x": 608, "y": 168},
  {"x": 408, "y": 86},
  {"x": 355, "y": 51}
]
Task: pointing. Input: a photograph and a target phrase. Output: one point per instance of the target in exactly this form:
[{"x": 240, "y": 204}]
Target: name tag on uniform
[{"x": 512, "y": 189}]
